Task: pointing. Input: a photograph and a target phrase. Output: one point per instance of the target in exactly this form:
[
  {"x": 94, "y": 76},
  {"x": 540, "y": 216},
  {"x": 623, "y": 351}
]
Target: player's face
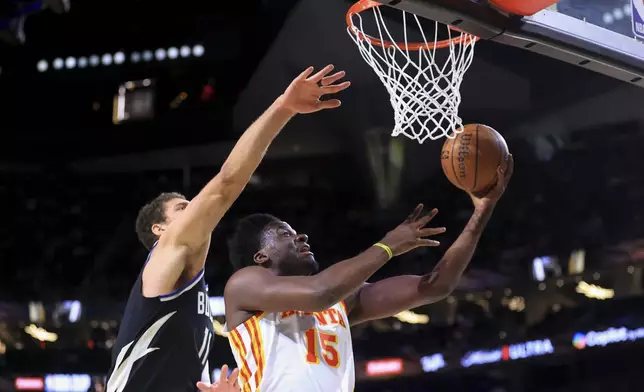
[
  {"x": 174, "y": 208},
  {"x": 290, "y": 251}
]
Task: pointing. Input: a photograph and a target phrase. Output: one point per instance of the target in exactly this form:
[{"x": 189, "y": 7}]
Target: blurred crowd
[{"x": 71, "y": 235}]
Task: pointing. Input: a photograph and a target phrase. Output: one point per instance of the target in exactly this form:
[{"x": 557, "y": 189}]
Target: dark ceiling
[
  {"x": 54, "y": 110},
  {"x": 253, "y": 49}
]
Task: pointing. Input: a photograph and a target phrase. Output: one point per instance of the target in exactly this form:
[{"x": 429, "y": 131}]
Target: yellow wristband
[{"x": 386, "y": 248}]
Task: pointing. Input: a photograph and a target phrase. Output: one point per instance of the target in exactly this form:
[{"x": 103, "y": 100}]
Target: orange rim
[{"x": 363, "y": 5}]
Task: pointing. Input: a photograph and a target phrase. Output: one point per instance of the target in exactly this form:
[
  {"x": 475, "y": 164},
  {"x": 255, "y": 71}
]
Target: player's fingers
[
  {"x": 223, "y": 376},
  {"x": 429, "y": 231},
  {"x": 415, "y": 213},
  {"x": 202, "y": 386},
  {"x": 321, "y": 73},
  {"x": 509, "y": 168},
  {"x": 336, "y": 88},
  {"x": 425, "y": 219},
  {"x": 329, "y": 104},
  {"x": 499, "y": 179},
  {"x": 305, "y": 74},
  {"x": 426, "y": 242},
  {"x": 233, "y": 376},
  {"x": 329, "y": 80}
]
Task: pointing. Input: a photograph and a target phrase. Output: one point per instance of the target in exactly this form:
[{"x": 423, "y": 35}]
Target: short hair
[
  {"x": 151, "y": 214},
  {"x": 248, "y": 239}
]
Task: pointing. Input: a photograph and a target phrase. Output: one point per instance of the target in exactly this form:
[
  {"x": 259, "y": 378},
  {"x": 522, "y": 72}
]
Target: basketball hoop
[{"x": 425, "y": 95}]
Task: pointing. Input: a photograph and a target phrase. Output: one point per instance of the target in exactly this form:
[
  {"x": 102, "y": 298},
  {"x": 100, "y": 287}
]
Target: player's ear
[
  {"x": 158, "y": 229},
  {"x": 260, "y": 257}
]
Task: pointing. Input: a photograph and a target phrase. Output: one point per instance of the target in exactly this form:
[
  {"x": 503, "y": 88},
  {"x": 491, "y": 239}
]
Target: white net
[{"x": 424, "y": 88}]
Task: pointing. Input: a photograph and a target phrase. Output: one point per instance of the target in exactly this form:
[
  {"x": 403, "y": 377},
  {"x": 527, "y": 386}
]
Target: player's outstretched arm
[
  {"x": 203, "y": 213},
  {"x": 391, "y": 296},
  {"x": 257, "y": 288},
  {"x": 190, "y": 232}
]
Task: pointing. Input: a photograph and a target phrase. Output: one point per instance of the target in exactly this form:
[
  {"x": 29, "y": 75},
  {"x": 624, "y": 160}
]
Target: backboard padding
[{"x": 548, "y": 33}]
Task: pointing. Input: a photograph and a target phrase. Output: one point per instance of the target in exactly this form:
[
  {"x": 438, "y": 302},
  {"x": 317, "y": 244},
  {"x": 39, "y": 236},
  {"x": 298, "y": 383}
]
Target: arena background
[{"x": 551, "y": 302}]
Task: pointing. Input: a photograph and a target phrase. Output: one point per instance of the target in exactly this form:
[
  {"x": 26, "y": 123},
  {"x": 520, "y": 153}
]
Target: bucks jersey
[
  {"x": 295, "y": 351},
  {"x": 163, "y": 342}
]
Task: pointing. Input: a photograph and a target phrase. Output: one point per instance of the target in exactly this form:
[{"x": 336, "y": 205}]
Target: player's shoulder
[{"x": 246, "y": 276}]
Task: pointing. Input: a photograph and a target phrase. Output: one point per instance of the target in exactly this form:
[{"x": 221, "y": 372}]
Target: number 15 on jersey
[{"x": 324, "y": 345}]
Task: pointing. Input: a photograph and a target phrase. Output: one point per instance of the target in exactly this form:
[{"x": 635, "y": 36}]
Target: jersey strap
[
  {"x": 175, "y": 294},
  {"x": 178, "y": 292}
]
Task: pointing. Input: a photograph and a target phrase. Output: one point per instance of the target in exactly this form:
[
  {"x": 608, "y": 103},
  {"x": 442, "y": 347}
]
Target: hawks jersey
[{"x": 295, "y": 351}]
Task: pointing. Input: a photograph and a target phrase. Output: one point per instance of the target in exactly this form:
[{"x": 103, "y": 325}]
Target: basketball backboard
[{"x": 599, "y": 35}]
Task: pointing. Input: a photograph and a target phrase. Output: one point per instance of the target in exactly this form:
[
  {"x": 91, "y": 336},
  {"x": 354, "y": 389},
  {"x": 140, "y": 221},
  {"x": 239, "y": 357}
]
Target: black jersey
[{"x": 163, "y": 342}]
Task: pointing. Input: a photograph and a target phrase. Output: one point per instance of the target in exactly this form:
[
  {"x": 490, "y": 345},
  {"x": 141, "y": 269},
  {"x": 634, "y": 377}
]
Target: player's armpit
[
  {"x": 390, "y": 296},
  {"x": 163, "y": 270},
  {"x": 255, "y": 288}
]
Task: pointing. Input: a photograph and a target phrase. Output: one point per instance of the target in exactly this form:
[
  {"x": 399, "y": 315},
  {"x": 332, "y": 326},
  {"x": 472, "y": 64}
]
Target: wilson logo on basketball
[
  {"x": 470, "y": 160},
  {"x": 463, "y": 154}
]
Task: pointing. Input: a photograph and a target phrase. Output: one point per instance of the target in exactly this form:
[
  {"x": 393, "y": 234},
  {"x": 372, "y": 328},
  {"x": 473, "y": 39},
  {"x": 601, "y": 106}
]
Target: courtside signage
[
  {"x": 604, "y": 338},
  {"x": 511, "y": 352}
]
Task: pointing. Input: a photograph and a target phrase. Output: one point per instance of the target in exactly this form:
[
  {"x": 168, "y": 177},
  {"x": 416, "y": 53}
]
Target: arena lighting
[
  {"x": 118, "y": 58},
  {"x": 384, "y": 367},
  {"x": 40, "y": 334},
  {"x": 534, "y": 348},
  {"x": 29, "y": 384},
  {"x": 37, "y": 312},
  {"x": 516, "y": 304},
  {"x": 594, "y": 291},
  {"x": 42, "y": 66},
  {"x": 178, "y": 100},
  {"x": 70, "y": 309},
  {"x": 617, "y": 14},
  {"x": 217, "y": 306},
  {"x": 67, "y": 382},
  {"x": 409, "y": 317},
  {"x": 604, "y": 338},
  {"x": 577, "y": 262},
  {"x": 432, "y": 363}
]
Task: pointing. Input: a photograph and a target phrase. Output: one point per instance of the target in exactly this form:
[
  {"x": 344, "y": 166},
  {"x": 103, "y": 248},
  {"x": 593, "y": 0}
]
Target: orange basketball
[{"x": 470, "y": 160}]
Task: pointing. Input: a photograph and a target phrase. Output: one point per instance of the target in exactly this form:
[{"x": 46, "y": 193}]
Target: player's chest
[{"x": 331, "y": 320}]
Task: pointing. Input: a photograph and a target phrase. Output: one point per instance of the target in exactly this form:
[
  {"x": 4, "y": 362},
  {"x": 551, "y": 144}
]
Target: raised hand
[
  {"x": 225, "y": 383},
  {"x": 412, "y": 232},
  {"x": 503, "y": 175},
  {"x": 304, "y": 93}
]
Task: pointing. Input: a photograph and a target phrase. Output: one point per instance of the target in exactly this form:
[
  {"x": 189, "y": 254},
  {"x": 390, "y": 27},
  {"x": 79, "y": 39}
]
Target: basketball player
[
  {"x": 289, "y": 326},
  {"x": 166, "y": 331}
]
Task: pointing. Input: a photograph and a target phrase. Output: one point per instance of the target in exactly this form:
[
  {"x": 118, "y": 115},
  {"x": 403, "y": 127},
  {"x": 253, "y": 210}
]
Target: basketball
[{"x": 470, "y": 159}]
